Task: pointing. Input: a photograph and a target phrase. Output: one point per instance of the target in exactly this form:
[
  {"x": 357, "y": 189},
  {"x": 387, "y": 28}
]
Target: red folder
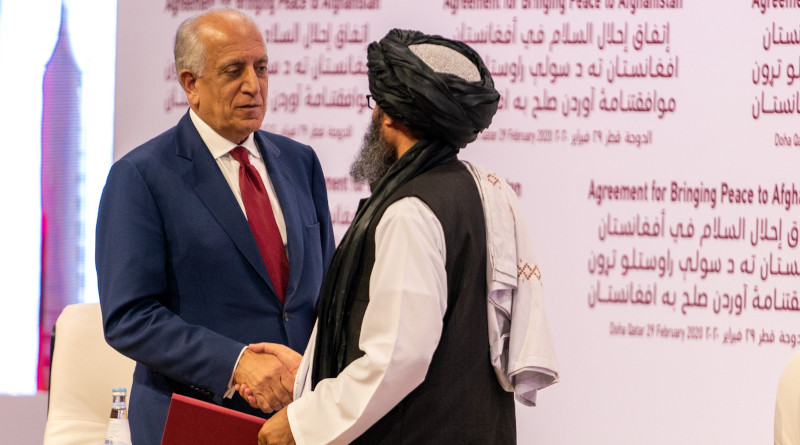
[{"x": 194, "y": 422}]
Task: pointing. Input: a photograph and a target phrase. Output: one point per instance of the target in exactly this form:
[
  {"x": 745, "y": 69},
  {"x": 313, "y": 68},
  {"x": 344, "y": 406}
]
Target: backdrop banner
[{"x": 654, "y": 146}]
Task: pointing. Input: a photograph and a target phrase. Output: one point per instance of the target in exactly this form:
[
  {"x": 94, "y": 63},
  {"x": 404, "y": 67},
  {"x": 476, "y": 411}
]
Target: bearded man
[{"x": 415, "y": 342}]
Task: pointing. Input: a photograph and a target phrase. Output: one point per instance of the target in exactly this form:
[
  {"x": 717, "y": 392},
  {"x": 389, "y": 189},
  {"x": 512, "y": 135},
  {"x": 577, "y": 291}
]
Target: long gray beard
[{"x": 375, "y": 157}]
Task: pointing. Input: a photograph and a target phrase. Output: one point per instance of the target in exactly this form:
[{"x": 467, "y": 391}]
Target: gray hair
[{"x": 190, "y": 51}]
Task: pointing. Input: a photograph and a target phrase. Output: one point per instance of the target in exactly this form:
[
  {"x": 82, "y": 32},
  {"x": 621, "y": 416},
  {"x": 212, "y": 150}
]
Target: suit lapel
[
  {"x": 203, "y": 174},
  {"x": 284, "y": 189}
]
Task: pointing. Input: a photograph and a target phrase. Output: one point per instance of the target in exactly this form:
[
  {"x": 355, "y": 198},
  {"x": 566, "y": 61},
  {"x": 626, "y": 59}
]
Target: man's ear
[
  {"x": 395, "y": 125},
  {"x": 397, "y": 134},
  {"x": 188, "y": 81}
]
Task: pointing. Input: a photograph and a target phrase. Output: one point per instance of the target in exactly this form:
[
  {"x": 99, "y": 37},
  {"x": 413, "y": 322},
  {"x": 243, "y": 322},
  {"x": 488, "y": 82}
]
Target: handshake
[{"x": 265, "y": 375}]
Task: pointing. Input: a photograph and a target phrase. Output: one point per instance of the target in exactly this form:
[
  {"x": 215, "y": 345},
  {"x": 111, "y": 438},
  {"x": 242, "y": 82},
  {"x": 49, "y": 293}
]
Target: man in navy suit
[{"x": 183, "y": 286}]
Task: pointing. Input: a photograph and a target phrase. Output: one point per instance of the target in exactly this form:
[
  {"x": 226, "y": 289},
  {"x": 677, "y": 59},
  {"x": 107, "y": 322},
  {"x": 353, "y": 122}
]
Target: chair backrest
[
  {"x": 787, "y": 404},
  {"x": 83, "y": 371}
]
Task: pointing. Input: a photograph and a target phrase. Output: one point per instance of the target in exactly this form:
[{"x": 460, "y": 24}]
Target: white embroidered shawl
[{"x": 521, "y": 346}]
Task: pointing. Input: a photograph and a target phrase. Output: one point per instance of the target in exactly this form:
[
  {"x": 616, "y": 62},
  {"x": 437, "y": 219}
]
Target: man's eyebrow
[
  {"x": 241, "y": 62},
  {"x": 230, "y": 63}
]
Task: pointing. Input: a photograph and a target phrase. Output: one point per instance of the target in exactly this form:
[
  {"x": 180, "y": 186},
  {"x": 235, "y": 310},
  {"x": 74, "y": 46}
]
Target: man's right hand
[{"x": 268, "y": 379}]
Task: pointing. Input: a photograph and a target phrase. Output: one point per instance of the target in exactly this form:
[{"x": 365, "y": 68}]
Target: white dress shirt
[{"x": 220, "y": 149}]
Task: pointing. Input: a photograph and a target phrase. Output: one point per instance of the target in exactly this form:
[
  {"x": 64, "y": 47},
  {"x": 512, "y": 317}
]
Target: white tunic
[
  {"x": 402, "y": 324},
  {"x": 400, "y": 332}
]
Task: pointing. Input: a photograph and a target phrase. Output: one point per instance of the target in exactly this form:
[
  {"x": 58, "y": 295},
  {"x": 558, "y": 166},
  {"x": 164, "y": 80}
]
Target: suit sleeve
[{"x": 134, "y": 284}]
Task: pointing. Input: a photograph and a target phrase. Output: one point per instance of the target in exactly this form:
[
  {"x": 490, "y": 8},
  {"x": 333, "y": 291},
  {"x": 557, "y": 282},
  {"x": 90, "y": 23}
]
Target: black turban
[{"x": 436, "y": 104}]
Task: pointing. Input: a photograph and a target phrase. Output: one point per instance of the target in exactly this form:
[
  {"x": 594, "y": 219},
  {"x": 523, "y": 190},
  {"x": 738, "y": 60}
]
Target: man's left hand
[{"x": 276, "y": 430}]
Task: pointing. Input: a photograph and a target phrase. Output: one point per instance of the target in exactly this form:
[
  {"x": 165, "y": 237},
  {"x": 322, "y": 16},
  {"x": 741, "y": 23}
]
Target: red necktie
[{"x": 262, "y": 222}]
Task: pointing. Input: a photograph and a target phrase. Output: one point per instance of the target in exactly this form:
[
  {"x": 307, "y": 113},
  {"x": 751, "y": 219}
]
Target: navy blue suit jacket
[{"x": 182, "y": 284}]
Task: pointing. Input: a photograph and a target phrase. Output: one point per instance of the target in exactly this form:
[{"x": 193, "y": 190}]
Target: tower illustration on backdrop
[{"x": 62, "y": 179}]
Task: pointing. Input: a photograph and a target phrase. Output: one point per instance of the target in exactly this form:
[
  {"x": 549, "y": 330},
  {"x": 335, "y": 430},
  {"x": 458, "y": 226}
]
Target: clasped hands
[{"x": 265, "y": 375}]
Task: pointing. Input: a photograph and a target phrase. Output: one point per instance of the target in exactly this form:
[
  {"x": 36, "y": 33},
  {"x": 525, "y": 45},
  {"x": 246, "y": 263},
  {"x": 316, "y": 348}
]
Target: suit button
[{"x": 285, "y": 316}]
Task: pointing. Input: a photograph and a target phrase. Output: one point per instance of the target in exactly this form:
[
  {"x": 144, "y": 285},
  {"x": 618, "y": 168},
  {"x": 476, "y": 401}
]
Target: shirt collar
[{"x": 218, "y": 145}]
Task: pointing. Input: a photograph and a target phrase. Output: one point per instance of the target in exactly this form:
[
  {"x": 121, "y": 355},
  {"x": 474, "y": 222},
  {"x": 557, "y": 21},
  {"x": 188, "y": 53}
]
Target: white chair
[
  {"x": 83, "y": 371},
  {"x": 787, "y": 404}
]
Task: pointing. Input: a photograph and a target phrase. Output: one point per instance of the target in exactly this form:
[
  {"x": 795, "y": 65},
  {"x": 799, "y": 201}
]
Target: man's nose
[{"x": 250, "y": 84}]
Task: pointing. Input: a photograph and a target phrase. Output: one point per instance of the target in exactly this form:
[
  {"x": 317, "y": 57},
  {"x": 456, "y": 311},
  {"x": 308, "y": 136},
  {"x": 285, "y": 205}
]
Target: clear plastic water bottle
[{"x": 118, "y": 431}]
